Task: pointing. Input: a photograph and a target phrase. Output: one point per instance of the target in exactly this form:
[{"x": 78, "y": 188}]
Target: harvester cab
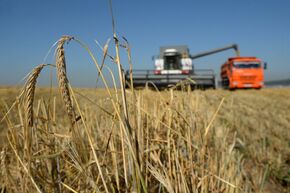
[
  {"x": 173, "y": 60},
  {"x": 174, "y": 66}
]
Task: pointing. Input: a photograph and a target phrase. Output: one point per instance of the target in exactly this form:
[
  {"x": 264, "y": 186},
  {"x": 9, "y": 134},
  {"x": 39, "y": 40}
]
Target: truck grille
[{"x": 248, "y": 78}]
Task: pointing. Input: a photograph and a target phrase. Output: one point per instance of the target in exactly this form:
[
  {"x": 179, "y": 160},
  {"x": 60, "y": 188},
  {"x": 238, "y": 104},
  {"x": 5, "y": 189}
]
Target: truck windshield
[{"x": 247, "y": 65}]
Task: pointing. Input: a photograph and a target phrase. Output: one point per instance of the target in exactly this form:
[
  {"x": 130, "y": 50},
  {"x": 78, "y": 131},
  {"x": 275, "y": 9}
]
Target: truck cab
[{"x": 243, "y": 72}]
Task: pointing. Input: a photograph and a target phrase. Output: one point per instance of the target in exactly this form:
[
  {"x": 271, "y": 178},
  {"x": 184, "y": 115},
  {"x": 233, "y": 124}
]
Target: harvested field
[{"x": 176, "y": 141}]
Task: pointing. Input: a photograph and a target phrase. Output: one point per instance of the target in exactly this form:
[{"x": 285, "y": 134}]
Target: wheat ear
[
  {"x": 62, "y": 77},
  {"x": 29, "y": 93}
]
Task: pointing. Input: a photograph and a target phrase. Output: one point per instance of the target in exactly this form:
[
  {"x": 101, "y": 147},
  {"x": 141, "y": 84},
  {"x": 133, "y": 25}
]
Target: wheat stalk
[
  {"x": 2, "y": 164},
  {"x": 62, "y": 77}
]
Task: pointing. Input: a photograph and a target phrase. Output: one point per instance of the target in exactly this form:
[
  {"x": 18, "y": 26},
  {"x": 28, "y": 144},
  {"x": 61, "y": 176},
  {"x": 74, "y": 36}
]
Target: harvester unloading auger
[{"x": 174, "y": 66}]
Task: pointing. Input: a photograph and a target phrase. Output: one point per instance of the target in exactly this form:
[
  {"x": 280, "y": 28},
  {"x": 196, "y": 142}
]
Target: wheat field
[
  {"x": 64, "y": 139},
  {"x": 186, "y": 141}
]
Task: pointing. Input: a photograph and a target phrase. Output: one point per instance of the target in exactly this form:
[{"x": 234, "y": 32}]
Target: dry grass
[{"x": 142, "y": 140}]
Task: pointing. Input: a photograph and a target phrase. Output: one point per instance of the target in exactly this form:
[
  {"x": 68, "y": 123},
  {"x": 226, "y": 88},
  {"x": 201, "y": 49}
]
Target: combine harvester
[
  {"x": 243, "y": 72},
  {"x": 174, "y": 66}
]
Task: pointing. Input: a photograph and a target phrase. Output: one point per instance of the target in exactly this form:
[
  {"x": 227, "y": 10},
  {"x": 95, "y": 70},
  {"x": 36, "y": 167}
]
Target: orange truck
[{"x": 243, "y": 72}]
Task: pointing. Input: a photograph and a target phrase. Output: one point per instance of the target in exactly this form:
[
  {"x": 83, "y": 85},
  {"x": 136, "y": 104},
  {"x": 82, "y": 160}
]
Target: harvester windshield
[{"x": 172, "y": 62}]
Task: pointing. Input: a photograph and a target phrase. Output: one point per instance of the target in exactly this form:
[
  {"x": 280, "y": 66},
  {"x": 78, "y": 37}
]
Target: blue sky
[{"x": 28, "y": 28}]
